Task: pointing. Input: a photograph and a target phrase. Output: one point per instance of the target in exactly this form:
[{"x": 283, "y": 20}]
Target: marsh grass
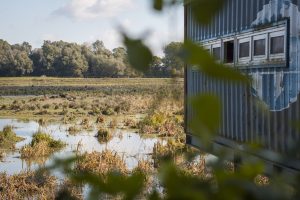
[
  {"x": 130, "y": 123},
  {"x": 102, "y": 163},
  {"x": 27, "y": 185},
  {"x": 70, "y": 190},
  {"x": 8, "y": 138},
  {"x": 42, "y": 144},
  {"x": 68, "y": 101},
  {"x": 167, "y": 151},
  {"x": 104, "y": 135},
  {"x": 1, "y": 155},
  {"x": 73, "y": 130},
  {"x": 145, "y": 167}
]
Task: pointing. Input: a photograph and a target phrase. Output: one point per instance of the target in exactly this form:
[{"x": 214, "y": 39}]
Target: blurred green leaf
[
  {"x": 139, "y": 55},
  {"x": 158, "y": 4},
  {"x": 195, "y": 55},
  {"x": 205, "y": 10},
  {"x": 207, "y": 116},
  {"x": 178, "y": 185}
]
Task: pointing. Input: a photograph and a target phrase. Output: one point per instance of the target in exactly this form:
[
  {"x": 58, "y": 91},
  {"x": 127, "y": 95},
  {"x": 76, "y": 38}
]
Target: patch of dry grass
[
  {"x": 41, "y": 145},
  {"x": 8, "y": 138},
  {"x": 102, "y": 163},
  {"x": 27, "y": 185}
]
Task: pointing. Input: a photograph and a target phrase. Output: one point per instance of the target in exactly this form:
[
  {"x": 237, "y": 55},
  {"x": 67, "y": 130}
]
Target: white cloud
[
  {"x": 49, "y": 36},
  {"x": 110, "y": 37},
  {"x": 92, "y": 9}
]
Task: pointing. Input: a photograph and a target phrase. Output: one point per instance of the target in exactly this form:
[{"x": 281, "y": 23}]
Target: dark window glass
[
  {"x": 228, "y": 51},
  {"x": 260, "y": 47},
  {"x": 277, "y": 45},
  {"x": 244, "y": 50},
  {"x": 216, "y": 52}
]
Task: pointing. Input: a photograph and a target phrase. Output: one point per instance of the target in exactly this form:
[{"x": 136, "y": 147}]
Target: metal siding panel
[{"x": 241, "y": 119}]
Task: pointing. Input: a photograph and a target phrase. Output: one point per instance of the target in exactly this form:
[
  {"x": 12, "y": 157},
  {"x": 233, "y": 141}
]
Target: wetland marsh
[{"x": 114, "y": 124}]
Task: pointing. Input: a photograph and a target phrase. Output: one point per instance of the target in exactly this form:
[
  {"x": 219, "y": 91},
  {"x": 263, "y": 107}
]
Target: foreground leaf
[
  {"x": 204, "y": 10},
  {"x": 195, "y": 55},
  {"x": 139, "y": 55}
]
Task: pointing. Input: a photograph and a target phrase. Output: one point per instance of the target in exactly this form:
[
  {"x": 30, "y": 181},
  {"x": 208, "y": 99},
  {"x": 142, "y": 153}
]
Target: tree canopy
[{"x": 64, "y": 59}]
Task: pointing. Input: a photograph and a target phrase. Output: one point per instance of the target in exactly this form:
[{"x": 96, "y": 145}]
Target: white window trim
[
  {"x": 278, "y": 55},
  {"x": 250, "y": 37},
  {"x": 207, "y": 47},
  {"x": 260, "y": 37},
  {"x": 217, "y": 45},
  {"x": 244, "y": 60}
]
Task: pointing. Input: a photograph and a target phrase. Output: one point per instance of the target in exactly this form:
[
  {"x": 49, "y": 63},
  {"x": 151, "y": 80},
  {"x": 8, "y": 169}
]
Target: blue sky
[{"x": 88, "y": 20}]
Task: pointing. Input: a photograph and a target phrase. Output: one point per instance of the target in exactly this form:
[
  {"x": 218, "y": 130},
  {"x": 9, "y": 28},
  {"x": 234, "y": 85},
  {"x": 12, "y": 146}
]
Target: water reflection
[{"x": 131, "y": 146}]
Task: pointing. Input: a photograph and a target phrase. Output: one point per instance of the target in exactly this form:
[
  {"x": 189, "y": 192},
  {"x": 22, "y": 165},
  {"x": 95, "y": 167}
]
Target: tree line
[{"x": 64, "y": 59}]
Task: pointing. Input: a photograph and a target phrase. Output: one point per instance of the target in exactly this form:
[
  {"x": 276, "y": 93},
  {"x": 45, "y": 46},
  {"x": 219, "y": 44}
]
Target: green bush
[{"x": 43, "y": 137}]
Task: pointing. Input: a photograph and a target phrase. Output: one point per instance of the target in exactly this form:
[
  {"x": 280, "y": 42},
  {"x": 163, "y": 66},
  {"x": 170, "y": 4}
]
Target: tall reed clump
[
  {"x": 162, "y": 124},
  {"x": 102, "y": 163},
  {"x": 42, "y": 144},
  {"x": 8, "y": 138}
]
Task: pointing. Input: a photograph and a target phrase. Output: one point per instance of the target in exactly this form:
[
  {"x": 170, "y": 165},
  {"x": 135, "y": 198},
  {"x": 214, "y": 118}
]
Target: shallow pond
[{"x": 128, "y": 144}]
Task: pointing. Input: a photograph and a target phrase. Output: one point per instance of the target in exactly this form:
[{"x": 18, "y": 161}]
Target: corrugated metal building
[{"x": 262, "y": 39}]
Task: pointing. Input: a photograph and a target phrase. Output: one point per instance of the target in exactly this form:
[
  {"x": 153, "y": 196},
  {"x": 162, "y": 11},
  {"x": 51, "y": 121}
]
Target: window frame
[
  {"x": 223, "y": 41},
  {"x": 266, "y": 32},
  {"x": 244, "y": 60},
  {"x": 260, "y": 36},
  {"x": 278, "y": 55},
  {"x": 217, "y": 45}
]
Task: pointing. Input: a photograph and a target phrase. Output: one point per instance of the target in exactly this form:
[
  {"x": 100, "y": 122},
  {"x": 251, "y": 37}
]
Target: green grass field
[
  {"x": 90, "y": 82},
  {"x": 13, "y": 86}
]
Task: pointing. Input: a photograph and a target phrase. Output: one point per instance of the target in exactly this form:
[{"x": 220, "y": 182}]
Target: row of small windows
[{"x": 251, "y": 49}]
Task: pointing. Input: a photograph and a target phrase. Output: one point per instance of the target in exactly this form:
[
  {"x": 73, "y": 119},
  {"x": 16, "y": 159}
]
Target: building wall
[{"x": 275, "y": 87}]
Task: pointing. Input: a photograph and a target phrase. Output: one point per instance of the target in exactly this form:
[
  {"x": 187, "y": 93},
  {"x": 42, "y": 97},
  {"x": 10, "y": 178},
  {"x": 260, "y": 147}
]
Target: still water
[{"x": 128, "y": 144}]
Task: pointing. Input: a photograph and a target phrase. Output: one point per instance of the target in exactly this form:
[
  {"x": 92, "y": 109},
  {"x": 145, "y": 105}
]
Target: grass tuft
[
  {"x": 8, "y": 138},
  {"x": 104, "y": 135},
  {"x": 42, "y": 144}
]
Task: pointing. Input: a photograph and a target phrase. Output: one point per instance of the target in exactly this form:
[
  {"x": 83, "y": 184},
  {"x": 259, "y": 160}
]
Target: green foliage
[
  {"x": 204, "y": 10},
  {"x": 207, "y": 117},
  {"x": 8, "y": 138},
  {"x": 65, "y": 59},
  {"x": 207, "y": 111},
  {"x": 139, "y": 55},
  {"x": 43, "y": 137},
  {"x": 172, "y": 59},
  {"x": 158, "y": 4},
  {"x": 14, "y": 60},
  {"x": 197, "y": 57}
]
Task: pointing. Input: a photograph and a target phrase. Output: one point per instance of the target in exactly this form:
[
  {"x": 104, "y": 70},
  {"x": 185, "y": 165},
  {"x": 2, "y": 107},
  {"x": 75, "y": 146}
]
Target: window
[
  {"x": 264, "y": 47},
  {"x": 259, "y": 47},
  {"x": 229, "y": 51},
  {"x": 244, "y": 49},
  {"x": 216, "y": 52},
  {"x": 277, "y": 43}
]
